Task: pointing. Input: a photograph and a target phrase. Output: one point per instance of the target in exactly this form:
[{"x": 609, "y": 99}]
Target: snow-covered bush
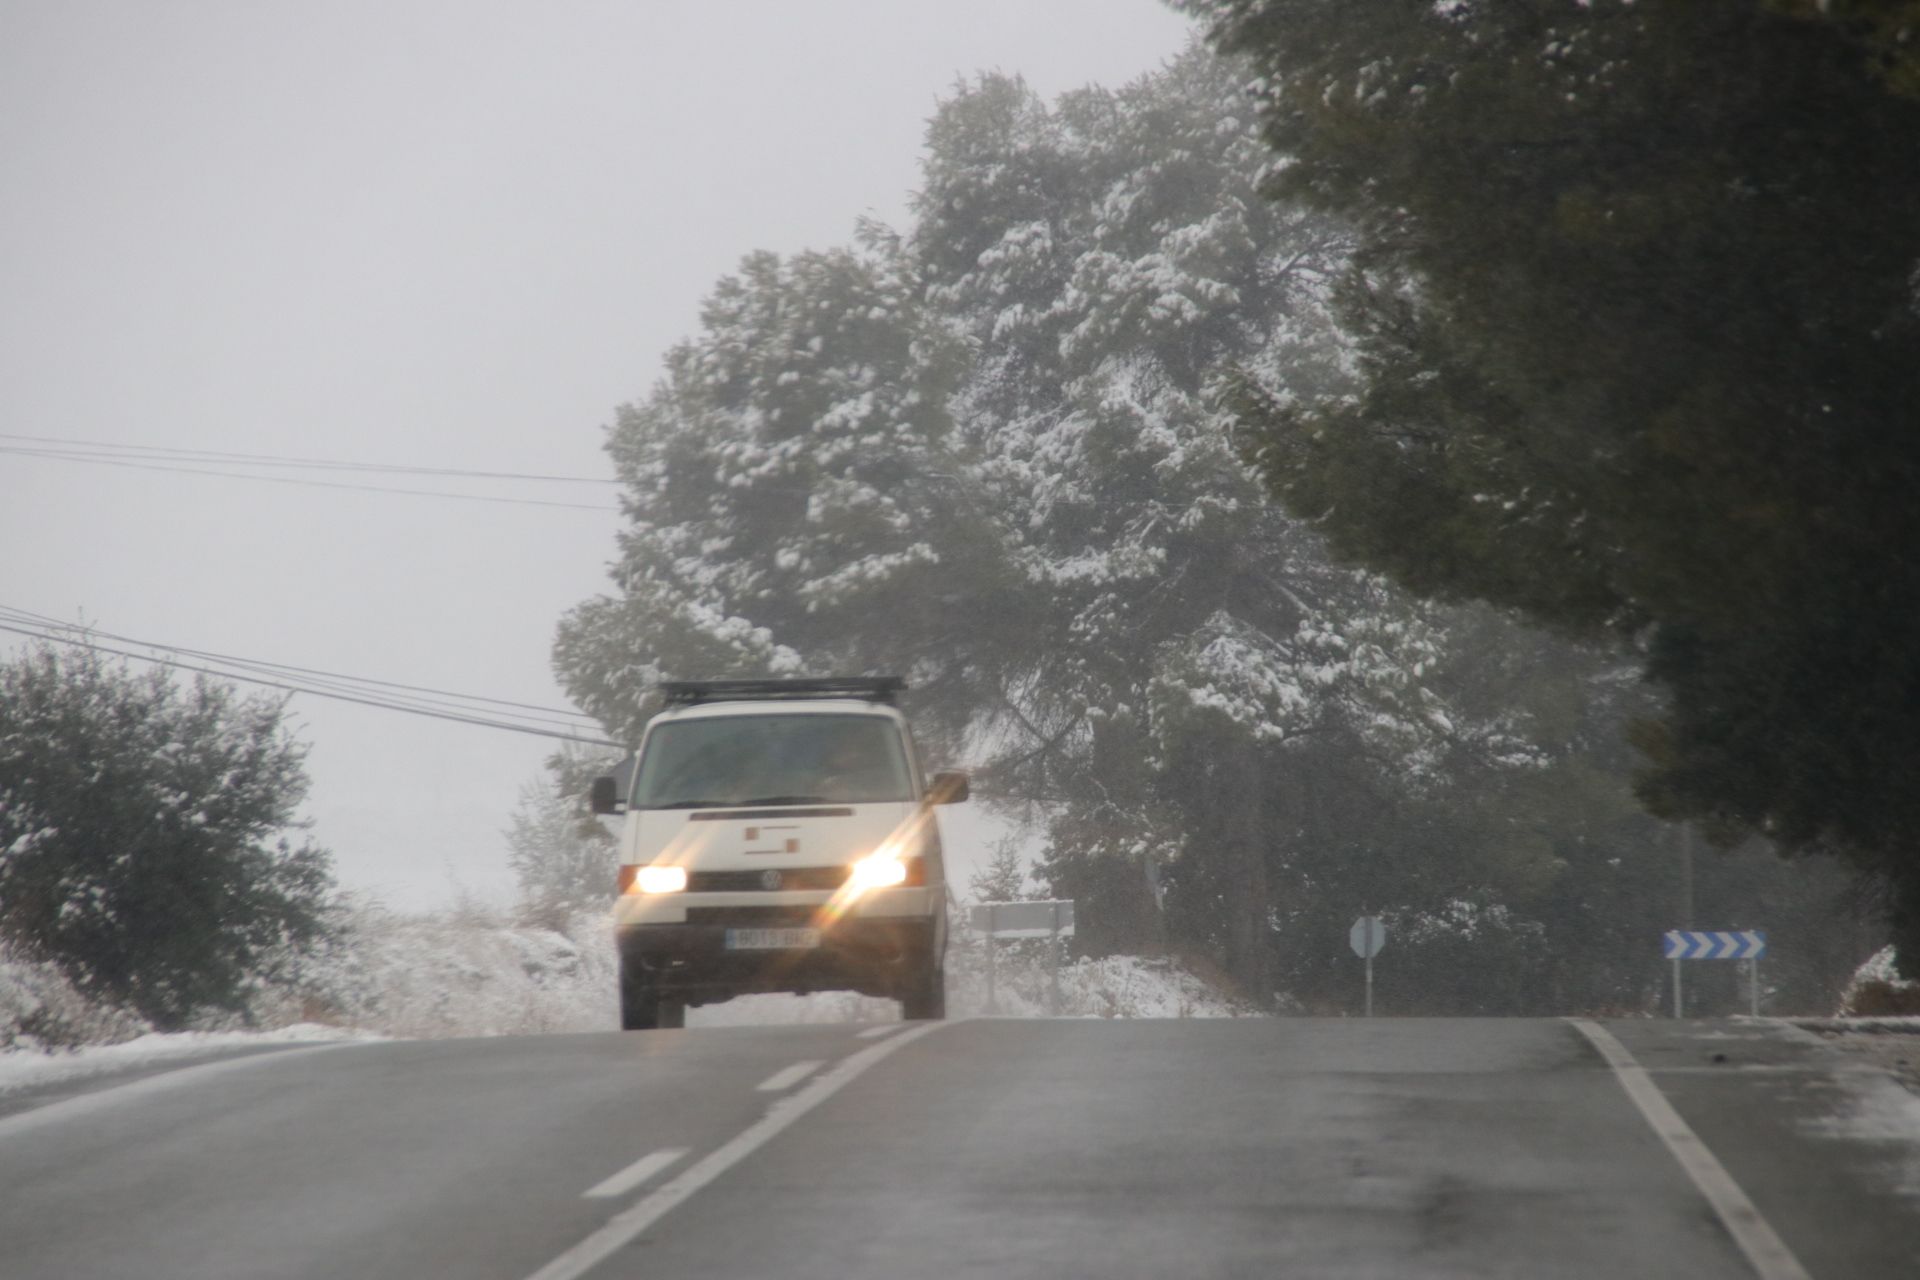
[
  {"x": 1018, "y": 983},
  {"x": 1878, "y": 990},
  {"x": 468, "y": 972},
  {"x": 41, "y": 1010},
  {"x": 149, "y": 844}
]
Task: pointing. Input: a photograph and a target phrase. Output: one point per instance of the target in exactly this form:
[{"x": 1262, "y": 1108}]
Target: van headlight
[
  {"x": 878, "y": 871},
  {"x": 660, "y": 879}
]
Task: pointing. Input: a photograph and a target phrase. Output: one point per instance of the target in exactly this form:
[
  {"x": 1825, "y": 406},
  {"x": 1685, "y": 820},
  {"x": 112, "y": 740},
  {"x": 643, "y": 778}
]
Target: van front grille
[{"x": 770, "y": 880}]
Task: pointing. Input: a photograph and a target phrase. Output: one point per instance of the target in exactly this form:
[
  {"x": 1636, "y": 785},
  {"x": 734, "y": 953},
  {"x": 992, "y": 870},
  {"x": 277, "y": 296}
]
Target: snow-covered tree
[
  {"x": 143, "y": 844},
  {"x": 562, "y": 858},
  {"x": 797, "y": 499},
  {"x": 996, "y": 452},
  {"x": 1003, "y": 878},
  {"x": 1635, "y": 328},
  {"x": 1107, "y": 257},
  {"x": 985, "y": 453}
]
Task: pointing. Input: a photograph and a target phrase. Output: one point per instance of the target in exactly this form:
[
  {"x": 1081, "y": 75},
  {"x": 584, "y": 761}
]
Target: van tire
[
  {"x": 925, "y": 1000},
  {"x": 642, "y": 1009}
]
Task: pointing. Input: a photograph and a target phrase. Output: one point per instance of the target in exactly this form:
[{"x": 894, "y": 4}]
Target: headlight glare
[
  {"x": 878, "y": 871},
  {"x": 658, "y": 879}
]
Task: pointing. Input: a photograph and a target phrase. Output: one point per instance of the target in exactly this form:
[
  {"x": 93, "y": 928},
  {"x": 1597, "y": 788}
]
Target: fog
[{"x": 428, "y": 235}]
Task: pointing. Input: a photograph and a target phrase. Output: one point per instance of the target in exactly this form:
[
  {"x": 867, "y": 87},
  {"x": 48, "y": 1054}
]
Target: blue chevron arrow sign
[{"x": 1689, "y": 944}]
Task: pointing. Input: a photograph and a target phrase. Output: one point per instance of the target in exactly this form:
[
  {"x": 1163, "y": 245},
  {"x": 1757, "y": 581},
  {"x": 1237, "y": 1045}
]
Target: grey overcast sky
[{"x": 449, "y": 233}]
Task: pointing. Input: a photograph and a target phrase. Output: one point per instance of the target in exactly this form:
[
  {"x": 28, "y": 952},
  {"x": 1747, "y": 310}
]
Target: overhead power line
[
  {"x": 436, "y": 704},
  {"x": 29, "y": 618},
  {"x": 177, "y": 453},
  {"x": 102, "y": 460}
]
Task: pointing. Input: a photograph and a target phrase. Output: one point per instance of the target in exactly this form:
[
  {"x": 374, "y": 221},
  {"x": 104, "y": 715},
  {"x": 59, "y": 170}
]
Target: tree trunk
[{"x": 1238, "y": 803}]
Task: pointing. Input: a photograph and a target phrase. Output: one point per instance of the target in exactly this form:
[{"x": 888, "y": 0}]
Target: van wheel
[
  {"x": 643, "y": 1009},
  {"x": 925, "y": 999}
]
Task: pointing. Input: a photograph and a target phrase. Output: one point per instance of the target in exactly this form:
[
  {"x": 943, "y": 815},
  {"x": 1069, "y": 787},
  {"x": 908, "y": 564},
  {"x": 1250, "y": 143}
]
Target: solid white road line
[
  {"x": 180, "y": 1077},
  {"x": 634, "y": 1174},
  {"x": 624, "y": 1226},
  {"x": 884, "y": 1029},
  {"x": 1768, "y": 1253},
  {"x": 787, "y": 1077}
]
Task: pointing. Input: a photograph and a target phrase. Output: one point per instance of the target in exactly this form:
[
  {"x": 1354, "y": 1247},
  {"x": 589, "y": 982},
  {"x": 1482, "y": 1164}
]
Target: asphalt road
[{"x": 1256, "y": 1147}]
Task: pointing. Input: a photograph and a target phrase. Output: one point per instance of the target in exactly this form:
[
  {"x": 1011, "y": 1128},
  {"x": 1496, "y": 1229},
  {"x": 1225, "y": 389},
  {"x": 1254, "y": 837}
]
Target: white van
[{"x": 779, "y": 837}]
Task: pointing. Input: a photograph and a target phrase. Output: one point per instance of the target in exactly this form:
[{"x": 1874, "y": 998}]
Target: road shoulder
[{"x": 1816, "y": 1136}]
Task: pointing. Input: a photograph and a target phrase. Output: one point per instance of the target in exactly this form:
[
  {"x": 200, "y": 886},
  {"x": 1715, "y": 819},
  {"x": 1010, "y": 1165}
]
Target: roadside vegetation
[
  {"x": 1014, "y": 451},
  {"x": 1446, "y": 462},
  {"x": 149, "y": 851}
]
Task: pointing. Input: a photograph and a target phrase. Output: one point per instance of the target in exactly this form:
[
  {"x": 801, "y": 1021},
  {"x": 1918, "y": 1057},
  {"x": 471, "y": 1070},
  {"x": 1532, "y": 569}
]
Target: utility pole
[
  {"x": 1686, "y": 908},
  {"x": 1686, "y": 876}
]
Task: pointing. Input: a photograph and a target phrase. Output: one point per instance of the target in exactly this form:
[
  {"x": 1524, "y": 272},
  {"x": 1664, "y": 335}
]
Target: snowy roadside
[
  {"x": 470, "y": 973},
  {"x": 23, "y": 1069},
  {"x": 1109, "y": 987},
  {"x": 1891, "y": 1043}
]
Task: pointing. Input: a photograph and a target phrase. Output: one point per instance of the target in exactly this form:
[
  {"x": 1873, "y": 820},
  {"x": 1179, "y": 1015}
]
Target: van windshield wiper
[{"x": 753, "y": 802}]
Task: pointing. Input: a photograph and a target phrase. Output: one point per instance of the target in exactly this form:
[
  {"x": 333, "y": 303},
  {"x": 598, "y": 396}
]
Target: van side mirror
[
  {"x": 604, "y": 798},
  {"x": 949, "y": 786}
]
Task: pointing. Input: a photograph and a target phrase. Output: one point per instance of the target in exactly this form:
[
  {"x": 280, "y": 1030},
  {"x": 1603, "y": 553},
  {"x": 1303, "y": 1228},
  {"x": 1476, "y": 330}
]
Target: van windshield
[{"x": 772, "y": 759}]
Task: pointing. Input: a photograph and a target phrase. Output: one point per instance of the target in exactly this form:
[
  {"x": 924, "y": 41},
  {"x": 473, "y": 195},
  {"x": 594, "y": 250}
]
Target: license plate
[{"x": 772, "y": 939}]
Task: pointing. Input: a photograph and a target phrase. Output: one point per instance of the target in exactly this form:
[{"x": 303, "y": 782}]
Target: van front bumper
[
  {"x": 915, "y": 903},
  {"x": 874, "y": 952}
]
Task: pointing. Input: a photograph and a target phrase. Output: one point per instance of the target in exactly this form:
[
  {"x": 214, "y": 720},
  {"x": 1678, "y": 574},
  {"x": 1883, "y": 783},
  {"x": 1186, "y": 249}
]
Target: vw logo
[{"x": 770, "y": 880}]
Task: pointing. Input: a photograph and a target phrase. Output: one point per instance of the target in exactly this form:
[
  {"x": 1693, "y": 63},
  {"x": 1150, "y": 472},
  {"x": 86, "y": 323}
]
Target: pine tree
[
  {"x": 1105, "y": 256},
  {"x": 1004, "y": 877},
  {"x": 563, "y": 860},
  {"x": 797, "y": 501},
  {"x": 995, "y": 453},
  {"x": 1633, "y": 312},
  {"x": 983, "y": 453}
]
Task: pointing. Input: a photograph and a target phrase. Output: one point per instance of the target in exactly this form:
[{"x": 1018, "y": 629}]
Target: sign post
[
  {"x": 1694, "y": 944},
  {"x": 1051, "y": 919},
  {"x": 991, "y": 964},
  {"x": 1367, "y": 937}
]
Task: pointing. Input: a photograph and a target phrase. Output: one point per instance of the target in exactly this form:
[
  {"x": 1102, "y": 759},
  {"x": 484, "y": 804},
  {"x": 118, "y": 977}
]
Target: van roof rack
[{"x": 691, "y": 693}]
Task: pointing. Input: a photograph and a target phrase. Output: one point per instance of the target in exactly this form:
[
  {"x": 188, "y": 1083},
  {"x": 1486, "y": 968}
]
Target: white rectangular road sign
[
  {"x": 1024, "y": 919},
  {"x": 1716, "y": 944}
]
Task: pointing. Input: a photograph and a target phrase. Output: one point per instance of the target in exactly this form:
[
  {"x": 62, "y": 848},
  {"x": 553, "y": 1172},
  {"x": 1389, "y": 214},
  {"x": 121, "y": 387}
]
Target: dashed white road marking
[
  {"x": 634, "y": 1174},
  {"x": 787, "y": 1077},
  {"x": 626, "y": 1225},
  {"x": 1768, "y": 1253},
  {"x": 884, "y": 1029}
]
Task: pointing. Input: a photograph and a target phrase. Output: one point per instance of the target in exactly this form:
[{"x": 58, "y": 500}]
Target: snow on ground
[
  {"x": 1110, "y": 987},
  {"x": 473, "y": 975},
  {"x": 1889, "y": 1024},
  {"x": 470, "y": 972},
  {"x": 464, "y": 973},
  {"x": 1879, "y": 1108},
  {"x": 25, "y": 1070},
  {"x": 769, "y": 1010},
  {"x": 40, "y": 1009}
]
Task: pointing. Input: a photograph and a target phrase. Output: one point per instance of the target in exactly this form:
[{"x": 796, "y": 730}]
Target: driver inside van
[{"x": 846, "y": 770}]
